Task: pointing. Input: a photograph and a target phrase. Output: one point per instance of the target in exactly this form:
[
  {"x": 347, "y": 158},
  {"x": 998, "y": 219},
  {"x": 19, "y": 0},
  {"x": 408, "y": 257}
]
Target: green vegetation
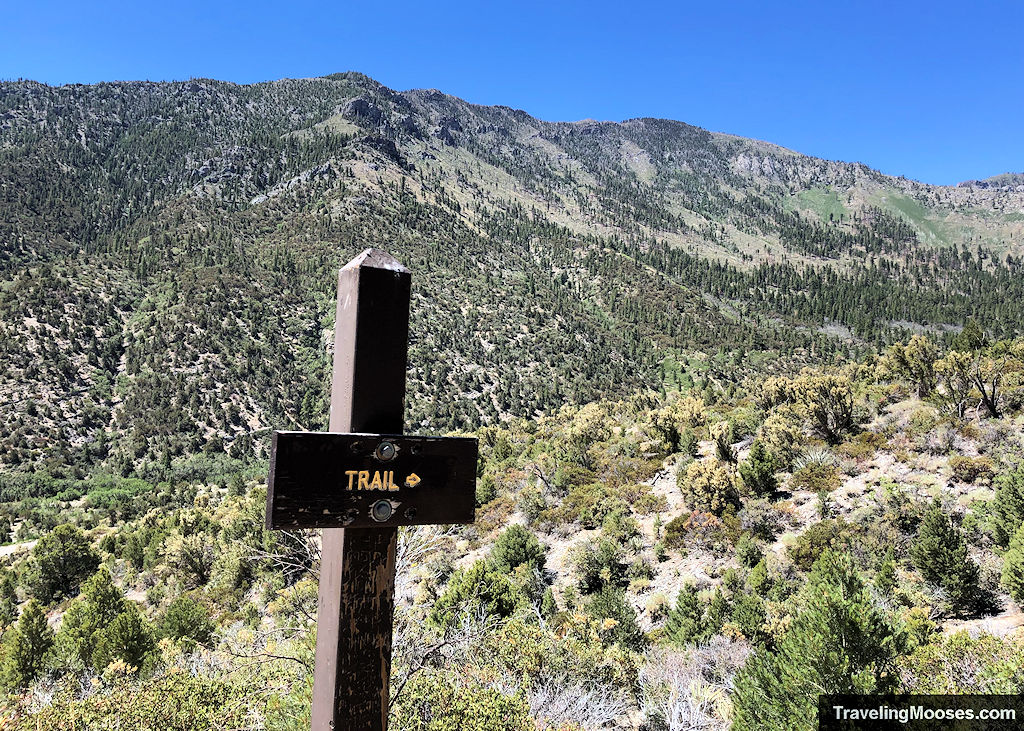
[
  {"x": 1008, "y": 506},
  {"x": 481, "y": 588},
  {"x": 721, "y": 531},
  {"x": 1013, "y": 566},
  {"x": 187, "y": 620},
  {"x": 940, "y": 554},
  {"x": 715, "y": 405},
  {"x": 177, "y": 701},
  {"x": 709, "y": 486},
  {"x": 88, "y": 620},
  {"x": 758, "y": 471},
  {"x": 60, "y": 561},
  {"x": 839, "y": 642},
  {"x": 439, "y": 705},
  {"x": 960, "y": 664},
  {"x": 824, "y": 203},
  {"x": 25, "y": 647},
  {"x": 516, "y": 547},
  {"x": 820, "y": 537}
]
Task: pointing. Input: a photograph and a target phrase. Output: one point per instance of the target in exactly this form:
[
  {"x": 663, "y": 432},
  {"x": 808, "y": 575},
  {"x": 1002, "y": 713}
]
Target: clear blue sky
[{"x": 931, "y": 90}]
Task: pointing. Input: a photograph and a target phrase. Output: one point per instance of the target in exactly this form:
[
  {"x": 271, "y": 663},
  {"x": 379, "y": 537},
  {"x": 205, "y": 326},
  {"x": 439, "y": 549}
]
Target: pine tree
[
  {"x": 885, "y": 579},
  {"x": 940, "y": 554},
  {"x": 188, "y": 620},
  {"x": 717, "y": 614},
  {"x": 684, "y": 624},
  {"x": 971, "y": 338},
  {"x": 8, "y": 599},
  {"x": 758, "y": 471},
  {"x": 1013, "y": 567},
  {"x": 548, "y": 604},
  {"x": 839, "y": 642},
  {"x": 59, "y": 561},
  {"x": 759, "y": 581},
  {"x": 515, "y": 546},
  {"x": 1008, "y": 506},
  {"x": 100, "y": 604},
  {"x": 748, "y": 552},
  {"x": 25, "y": 647},
  {"x": 748, "y": 614},
  {"x": 128, "y": 638},
  {"x": 610, "y": 608},
  {"x": 477, "y": 588}
]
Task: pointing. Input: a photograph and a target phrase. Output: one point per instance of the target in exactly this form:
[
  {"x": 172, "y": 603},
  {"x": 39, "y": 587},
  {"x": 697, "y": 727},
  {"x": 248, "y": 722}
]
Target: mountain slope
[{"x": 168, "y": 252}]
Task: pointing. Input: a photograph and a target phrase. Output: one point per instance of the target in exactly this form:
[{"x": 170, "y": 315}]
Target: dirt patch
[
  {"x": 1000, "y": 625},
  {"x": 14, "y": 548}
]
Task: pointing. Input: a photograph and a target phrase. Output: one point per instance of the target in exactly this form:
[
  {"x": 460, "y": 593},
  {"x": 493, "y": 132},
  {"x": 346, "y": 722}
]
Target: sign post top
[{"x": 376, "y": 259}]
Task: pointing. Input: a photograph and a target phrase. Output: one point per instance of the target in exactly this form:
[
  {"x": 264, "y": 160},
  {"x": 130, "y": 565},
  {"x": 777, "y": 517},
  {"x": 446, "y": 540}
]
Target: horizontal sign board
[{"x": 331, "y": 480}]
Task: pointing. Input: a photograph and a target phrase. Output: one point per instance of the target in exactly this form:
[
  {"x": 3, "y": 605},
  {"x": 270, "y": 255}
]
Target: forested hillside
[
  {"x": 693, "y": 560},
  {"x": 750, "y": 421},
  {"x": 169, "y": 252}
]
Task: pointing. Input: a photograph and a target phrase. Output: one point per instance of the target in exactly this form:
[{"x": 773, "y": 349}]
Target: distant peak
[{"x": 1004, "y": 181}]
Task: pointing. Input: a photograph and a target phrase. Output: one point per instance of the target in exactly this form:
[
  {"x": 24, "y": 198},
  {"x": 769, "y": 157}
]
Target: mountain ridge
[
  {"x": 1003, "y": 181},
  {"x": 980, "y": 182}
]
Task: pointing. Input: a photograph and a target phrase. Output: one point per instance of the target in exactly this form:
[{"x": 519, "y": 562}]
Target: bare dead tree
[
  {"x": 689, "y": 690},
  {"x": 417, "y": 646},
  {"x": 414, "y": 545},
  {"x": 539, "y": 473},
  {"x": 257, "y": 648},
  {"x": 294, "y": 553},
  {"x": 589, "y": 705}
]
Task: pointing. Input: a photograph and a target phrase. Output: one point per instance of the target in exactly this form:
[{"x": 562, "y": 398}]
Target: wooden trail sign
[
  {"x": 359, "y": 482},
  {"x": 325, "y": 480}
]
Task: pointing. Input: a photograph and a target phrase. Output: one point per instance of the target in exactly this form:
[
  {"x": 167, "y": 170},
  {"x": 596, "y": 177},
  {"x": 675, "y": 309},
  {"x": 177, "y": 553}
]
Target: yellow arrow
[{"x": 412, "y": 480}]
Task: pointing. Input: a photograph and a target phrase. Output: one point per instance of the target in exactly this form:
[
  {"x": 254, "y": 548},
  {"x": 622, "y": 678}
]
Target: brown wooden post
[{"x": 357, "y": 574}]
